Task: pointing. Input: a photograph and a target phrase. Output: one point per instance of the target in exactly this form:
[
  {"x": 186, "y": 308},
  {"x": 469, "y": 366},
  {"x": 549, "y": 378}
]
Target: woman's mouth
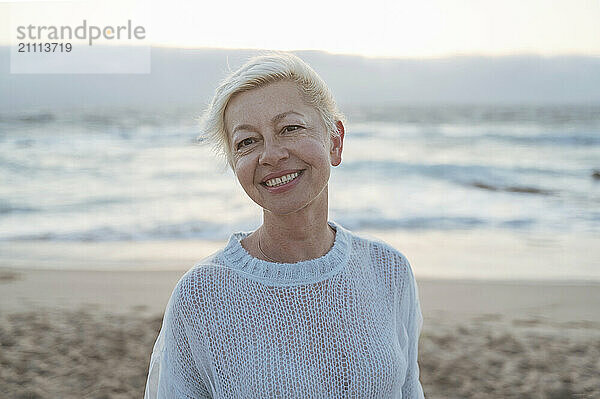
[{"x": 282, "y": 180}]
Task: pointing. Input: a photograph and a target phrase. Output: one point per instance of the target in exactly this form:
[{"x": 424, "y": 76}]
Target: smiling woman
[
  {"x": 282, "y": 153},
  {"x": 300, "y": 307}
]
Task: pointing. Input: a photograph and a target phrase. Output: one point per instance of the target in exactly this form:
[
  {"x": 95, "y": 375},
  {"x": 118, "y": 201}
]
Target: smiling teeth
[{"x": 278, "y": 181}]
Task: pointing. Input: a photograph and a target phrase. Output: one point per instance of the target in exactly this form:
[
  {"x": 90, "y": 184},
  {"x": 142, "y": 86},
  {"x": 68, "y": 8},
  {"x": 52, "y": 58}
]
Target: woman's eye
[
  {"x": 245, "y": 142},
  {"x": 291, "y": 128}
]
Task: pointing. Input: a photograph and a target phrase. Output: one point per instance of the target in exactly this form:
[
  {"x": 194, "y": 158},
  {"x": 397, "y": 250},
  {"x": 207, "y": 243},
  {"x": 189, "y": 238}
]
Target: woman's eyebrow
[
  {"x": 274, "y": 120},
  {"x": 244, "y": 126},
  {"x": 283, "y": 115}
]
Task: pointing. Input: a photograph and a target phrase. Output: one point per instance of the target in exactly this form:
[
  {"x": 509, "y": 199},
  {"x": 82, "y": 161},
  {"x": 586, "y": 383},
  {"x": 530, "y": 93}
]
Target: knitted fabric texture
[{"x": 345, "y": 325}]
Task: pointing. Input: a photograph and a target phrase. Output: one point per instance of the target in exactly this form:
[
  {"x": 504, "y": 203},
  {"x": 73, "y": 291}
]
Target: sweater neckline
[{"x": 303, "y": 272}]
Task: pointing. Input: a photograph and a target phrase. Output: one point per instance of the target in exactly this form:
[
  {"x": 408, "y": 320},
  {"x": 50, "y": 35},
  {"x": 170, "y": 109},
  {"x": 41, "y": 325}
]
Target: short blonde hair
[{"x": 257, "y": 72}]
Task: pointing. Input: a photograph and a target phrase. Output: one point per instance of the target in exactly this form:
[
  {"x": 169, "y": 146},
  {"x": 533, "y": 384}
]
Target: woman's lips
[
  {"x": 279, "y": 174},
  {"x": 283, "y": 182}
]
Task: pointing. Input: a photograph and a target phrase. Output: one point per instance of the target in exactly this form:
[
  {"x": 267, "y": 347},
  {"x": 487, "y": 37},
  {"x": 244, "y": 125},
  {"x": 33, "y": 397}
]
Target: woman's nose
[{"x": 272, "y": 153}]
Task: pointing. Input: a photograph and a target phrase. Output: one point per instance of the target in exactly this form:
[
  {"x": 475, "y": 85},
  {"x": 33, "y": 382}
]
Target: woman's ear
[{"x": 337, "y": 144}]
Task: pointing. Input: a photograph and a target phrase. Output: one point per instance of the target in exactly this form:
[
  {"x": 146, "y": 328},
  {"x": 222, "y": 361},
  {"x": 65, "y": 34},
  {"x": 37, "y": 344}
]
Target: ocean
[{"x": 138, "y": 174}]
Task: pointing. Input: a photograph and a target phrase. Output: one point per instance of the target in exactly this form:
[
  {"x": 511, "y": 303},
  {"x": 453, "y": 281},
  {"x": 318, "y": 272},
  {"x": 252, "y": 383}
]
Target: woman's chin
[
  {"x": 283, "y": 209},
  {"x": 295, "y": 204}
]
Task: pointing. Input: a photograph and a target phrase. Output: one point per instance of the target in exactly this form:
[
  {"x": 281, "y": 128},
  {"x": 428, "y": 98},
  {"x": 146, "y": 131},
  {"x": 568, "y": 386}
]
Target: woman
[{"x": 301, "y": 307}]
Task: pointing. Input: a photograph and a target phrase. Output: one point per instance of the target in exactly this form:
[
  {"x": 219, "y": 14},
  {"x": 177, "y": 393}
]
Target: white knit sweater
[{"x": 345, "y": 325}]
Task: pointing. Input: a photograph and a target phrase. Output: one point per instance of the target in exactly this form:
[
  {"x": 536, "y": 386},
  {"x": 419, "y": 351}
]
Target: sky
[{"x": 373, "y": 28}]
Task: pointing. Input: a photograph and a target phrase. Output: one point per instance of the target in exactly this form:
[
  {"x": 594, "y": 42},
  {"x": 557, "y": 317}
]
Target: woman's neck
[{"x": 294, "y": 237}]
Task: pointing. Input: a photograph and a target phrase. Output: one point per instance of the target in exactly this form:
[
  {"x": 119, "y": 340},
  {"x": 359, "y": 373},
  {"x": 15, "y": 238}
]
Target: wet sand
[{"x": 74, "y": 334}]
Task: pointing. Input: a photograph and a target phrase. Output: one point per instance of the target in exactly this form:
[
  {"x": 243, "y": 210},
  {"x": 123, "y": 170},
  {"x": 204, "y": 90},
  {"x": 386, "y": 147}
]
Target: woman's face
[{"x": 281, "y": 150}]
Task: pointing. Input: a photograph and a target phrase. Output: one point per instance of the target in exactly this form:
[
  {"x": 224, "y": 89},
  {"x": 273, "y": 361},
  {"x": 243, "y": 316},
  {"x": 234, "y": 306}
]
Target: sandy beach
[{"x": 89, "y": 334}]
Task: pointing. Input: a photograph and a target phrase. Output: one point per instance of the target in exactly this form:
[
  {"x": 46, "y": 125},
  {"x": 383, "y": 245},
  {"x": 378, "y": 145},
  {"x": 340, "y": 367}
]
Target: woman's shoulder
[
  {"x": 394, "y": 264},
  {"x": 379, "y": 247},
  {"x": 202, "y": 277},
  {"x": 383, "y": 254}
]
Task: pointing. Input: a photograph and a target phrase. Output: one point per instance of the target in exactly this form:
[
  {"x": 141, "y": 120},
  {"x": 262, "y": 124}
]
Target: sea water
[{"x": 135, "y": 174}]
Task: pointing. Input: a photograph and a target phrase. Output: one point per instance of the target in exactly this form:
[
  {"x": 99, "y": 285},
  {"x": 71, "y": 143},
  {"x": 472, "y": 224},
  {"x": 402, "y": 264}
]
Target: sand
[{"x": 89, "y": 334}]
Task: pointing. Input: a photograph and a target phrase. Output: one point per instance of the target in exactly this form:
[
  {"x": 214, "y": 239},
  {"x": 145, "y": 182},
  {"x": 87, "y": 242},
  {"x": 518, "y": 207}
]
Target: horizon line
[{"x": 373, "y": 57}]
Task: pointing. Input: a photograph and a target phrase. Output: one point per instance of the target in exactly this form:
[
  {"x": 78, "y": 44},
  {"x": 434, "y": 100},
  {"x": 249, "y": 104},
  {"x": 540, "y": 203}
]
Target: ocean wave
[
  {"x": 205, "y": 230},
  {"x": 549, "y": 115},
  {"x": 413, "y": 223},
  {"x": 189, "y": 230},
  {"x": 216, "y": 231},
  {"x": 357, "y": 221},
  {"x": 8, "y": 208},
  {"x": 513, "y": 189},
  {"x": 462, "y": 174},
  {"x": 560, "y": 139},
  {"x": 29, "y": 118}
]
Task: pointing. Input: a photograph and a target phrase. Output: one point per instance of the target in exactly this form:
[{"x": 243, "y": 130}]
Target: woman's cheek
[
  {"x": 244, "y": 169},
  {"x": 240, "y": 167},
  {"x": 317, "y": 148}
]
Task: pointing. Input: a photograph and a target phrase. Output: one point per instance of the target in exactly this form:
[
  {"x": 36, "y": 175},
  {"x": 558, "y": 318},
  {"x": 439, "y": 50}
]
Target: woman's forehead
[{"x": 266, "y": 103}]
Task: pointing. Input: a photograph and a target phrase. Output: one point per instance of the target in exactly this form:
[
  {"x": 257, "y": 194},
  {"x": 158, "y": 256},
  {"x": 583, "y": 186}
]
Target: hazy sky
[{"x": 393, "y": 28}]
